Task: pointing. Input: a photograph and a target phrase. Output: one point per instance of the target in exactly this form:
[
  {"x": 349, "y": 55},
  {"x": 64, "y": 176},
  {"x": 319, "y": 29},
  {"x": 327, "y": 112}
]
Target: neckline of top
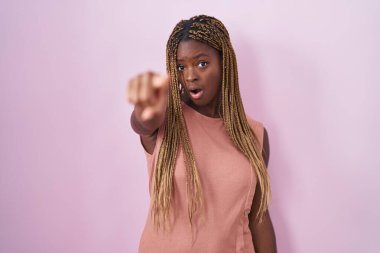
[{"x": 202, "y": 115}]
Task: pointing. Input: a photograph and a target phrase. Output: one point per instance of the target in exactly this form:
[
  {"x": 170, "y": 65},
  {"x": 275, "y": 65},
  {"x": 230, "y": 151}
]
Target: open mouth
[{"x": 196, "y": 93}]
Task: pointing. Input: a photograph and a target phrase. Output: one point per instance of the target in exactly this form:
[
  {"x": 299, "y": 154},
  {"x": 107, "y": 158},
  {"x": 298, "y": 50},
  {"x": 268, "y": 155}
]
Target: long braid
[{"x": 211, "y": 31}]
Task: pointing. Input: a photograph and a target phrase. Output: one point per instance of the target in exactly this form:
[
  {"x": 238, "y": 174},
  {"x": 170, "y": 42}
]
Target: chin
[{"x": 200, "y": 103}]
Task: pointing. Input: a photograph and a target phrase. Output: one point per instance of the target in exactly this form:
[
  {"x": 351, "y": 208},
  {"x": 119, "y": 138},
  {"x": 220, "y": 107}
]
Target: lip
[
  {"x": 196, "y": 95},
  {"x": 195, "y": 92}
]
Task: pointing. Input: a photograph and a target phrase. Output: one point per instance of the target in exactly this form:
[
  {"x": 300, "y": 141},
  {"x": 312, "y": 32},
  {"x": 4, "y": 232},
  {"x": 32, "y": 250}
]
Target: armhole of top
[
  {"x": 152, "y": 158},
  {"x": 158, "y": 143},
  {"x": 258, "y": 129}
]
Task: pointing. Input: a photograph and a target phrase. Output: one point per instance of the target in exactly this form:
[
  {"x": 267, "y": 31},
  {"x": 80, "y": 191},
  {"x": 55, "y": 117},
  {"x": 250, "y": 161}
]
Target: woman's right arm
[{"x": 148, "y": 92}]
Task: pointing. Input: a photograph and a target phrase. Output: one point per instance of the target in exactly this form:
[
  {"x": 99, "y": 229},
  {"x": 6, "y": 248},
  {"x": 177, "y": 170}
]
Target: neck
[{"x": 212, "y": 110}]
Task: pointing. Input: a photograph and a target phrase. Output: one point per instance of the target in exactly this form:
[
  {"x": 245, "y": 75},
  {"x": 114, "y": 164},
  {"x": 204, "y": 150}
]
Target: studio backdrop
[{"x": 73, "y": 174}]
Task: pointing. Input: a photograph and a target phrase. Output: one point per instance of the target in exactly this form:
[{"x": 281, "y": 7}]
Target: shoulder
[
  {"x": 258, "y": 128},
  {"x": 261, "y": 135}
]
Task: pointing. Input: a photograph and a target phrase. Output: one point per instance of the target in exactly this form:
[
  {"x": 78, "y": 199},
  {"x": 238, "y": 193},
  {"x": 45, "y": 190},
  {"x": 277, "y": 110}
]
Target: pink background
[{"x": 73, "y": 176}]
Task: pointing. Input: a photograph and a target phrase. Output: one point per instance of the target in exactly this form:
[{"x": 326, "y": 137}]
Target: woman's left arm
[{"x": 263, "y": 236}]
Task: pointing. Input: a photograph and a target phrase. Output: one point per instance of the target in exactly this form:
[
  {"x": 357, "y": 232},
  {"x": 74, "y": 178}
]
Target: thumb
[
  {"x": 160, "y": 82},
  {"x": 148, "y": 113}
]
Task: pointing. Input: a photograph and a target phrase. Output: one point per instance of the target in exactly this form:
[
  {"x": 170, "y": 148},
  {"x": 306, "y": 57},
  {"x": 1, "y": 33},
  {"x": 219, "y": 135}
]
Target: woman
[{"x": 206, "y": 161}]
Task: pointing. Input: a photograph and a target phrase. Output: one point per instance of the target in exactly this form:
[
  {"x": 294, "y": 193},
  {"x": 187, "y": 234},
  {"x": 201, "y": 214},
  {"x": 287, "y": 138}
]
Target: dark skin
[
  {"x": 199, "y": 67},
  {"x": 263, "y": 235}
]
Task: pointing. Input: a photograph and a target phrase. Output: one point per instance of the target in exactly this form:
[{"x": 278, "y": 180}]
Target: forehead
[{"x": 191, "y": 49}]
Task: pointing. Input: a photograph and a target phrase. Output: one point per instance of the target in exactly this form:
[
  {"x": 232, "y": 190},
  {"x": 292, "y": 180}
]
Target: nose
[{"x": 191, "y": 75}]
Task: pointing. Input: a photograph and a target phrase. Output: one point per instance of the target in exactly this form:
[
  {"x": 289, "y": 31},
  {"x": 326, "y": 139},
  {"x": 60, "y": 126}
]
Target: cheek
[
  {"x": 215, "y": 78},
  {"x": 180, "y": 77},
  {"x": 181, "y": 81}
]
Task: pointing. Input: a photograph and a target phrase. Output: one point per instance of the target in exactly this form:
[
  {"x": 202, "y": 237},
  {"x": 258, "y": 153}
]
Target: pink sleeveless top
[{"x": 228, "y": 184}]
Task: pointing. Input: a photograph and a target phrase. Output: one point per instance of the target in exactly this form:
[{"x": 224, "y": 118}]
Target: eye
[
  {"x": 202, "y": 64},
  {"x": 180, "y": 67}
]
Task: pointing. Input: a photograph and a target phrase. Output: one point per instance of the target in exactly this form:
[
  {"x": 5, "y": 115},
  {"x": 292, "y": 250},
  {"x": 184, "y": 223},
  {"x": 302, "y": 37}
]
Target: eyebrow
[{"x": 195, "y": 56}]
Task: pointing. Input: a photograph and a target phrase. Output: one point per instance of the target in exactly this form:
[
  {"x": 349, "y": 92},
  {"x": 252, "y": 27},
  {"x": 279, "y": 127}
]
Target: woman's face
[{"x": 199, "y": 68}]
